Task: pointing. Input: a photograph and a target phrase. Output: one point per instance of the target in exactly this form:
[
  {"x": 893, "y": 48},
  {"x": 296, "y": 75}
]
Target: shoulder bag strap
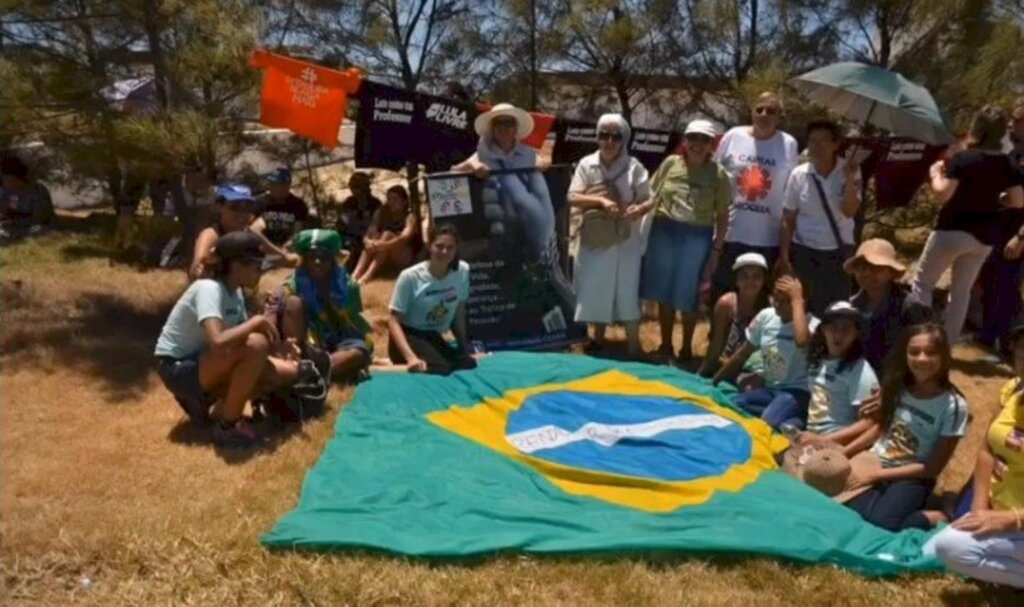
[{"x": 828, "y": 211}]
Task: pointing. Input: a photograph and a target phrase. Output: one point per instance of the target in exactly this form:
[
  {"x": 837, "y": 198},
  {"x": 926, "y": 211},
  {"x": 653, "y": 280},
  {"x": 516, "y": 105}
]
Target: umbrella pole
[{"x": 858, "y": 221}]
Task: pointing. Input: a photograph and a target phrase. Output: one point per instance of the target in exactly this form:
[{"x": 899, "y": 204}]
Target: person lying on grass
[
  {"x": 429, "y": 300},
  {"x": 840, "y": 380},
  {"x": 210, "y": 353},
  {"x": 987, "y": 543},
  {"x": 781, "y": 333},
  {"x": 923, "y": 416},
  {"x": 236, "y": 211},
  {"x": 319, "y": 306}
]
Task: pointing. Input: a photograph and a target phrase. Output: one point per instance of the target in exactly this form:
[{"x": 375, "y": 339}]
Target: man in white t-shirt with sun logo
[{"x": 758, "y": 159}]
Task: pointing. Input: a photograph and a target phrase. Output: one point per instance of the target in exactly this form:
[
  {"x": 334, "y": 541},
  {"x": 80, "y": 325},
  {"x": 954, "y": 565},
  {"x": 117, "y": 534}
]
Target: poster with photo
[{"x": 520, "y": 295}]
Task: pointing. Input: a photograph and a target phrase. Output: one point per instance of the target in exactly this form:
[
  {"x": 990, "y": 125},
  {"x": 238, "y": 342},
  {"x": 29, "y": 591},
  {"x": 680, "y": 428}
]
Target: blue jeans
[{"x": 776, "y": 406}]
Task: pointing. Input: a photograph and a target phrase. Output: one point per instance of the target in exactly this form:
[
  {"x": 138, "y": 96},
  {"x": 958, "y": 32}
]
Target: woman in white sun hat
[
  {"x": 517, "y": 201},
  {"x": 691, "y": 209},
  {"x": 611, "y": 188}
]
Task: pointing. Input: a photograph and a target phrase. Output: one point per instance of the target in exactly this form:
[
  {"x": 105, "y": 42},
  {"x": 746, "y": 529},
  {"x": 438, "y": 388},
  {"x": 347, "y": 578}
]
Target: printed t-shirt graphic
[
  {"x": 427, "y": 303},
  {"x": 917, "y": 426},
  {"x": 759, "y": 169}
]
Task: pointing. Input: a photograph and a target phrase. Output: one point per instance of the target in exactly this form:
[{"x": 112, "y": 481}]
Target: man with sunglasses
[{"x": 758, "y": 159}]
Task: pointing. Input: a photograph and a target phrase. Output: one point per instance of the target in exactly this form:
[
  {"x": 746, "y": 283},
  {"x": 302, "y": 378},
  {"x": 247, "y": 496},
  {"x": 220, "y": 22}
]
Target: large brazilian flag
[{"x": 556, "y": 454}]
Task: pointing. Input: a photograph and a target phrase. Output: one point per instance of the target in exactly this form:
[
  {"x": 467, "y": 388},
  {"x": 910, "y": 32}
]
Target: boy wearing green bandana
[{"x": 319, "y": 305}]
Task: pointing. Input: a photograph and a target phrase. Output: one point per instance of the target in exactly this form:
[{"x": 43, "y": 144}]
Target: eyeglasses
[
  {"x": 609, "y": 136},
  {"x": 766, "y": 110}
]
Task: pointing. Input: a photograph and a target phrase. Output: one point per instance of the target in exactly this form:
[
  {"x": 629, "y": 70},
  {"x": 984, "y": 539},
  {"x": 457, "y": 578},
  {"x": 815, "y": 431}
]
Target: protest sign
[
  {"x": 574, "y": 139},
  {"x": 308, "y": 99},
  {"x": 520, "y": 297}
]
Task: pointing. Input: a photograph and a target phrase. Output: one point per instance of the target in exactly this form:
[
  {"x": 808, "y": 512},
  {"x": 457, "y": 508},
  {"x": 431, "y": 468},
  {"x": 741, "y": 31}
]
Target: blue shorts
[
  {"x": 354, "y": 343},
  {"x": 181, "y": 378}
]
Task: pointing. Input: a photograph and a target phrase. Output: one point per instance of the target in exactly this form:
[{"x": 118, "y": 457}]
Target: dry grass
[{"x": 102, "y": 480}]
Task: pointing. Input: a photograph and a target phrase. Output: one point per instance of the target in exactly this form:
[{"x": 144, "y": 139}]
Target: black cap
[{"x": 239, "y": 245}]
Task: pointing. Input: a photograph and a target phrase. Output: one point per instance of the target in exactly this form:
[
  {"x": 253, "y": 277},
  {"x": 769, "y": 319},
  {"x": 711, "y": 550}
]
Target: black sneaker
[{"x": 239, "y": 435}]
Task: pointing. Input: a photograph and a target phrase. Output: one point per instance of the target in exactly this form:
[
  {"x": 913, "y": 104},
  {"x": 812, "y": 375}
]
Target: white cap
[
  {"x": 701, "y": 127},
  {"x": 750, "y": 259}
]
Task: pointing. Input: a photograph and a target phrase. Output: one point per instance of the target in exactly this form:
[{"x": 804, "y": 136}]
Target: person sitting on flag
[
  {"x": 611, "y": 185},
  {"x": 429, "y": 300},
  {"x": 25, "y": 205},
  {"x": 883, "y": 302},
  {"x": 355, "y": 215},
  {"x": 732, "y": 315},
  {"x": 782, "y": 334},
  {"x": 923, "y": 416},
  {"x": 282, "y": 214},
  {"x": 391, "y": 238},
  {"x": 210, "y": 353},
  {"x": 235, "y": 213},
  {"x": 987, "y": 543},
  {"x": 320, "y": 305},
  {"x": 840, "y": 380},
  {"x": 525, "y": 201}
]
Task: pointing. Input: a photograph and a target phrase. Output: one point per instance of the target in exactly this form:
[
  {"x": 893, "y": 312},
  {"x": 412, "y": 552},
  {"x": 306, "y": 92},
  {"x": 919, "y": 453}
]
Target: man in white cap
[{"x": 758, "y": 159}]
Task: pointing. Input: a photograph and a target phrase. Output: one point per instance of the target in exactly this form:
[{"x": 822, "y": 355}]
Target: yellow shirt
[{"x": 1006, "y": 440}]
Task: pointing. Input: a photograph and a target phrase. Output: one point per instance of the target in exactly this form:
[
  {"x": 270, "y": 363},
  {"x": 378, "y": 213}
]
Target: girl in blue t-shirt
[
  {"x": 429, "y": 300},
  {"x": 923, "y": 416},
  {"x": 839, "y": 379}
]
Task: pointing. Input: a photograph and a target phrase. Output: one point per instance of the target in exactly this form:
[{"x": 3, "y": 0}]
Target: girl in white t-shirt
[{"x": 923, "y": 417}]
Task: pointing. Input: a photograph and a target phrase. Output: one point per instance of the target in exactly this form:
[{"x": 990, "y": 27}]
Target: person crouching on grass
[
  {"x": 781, "y": 333},
  {"x": 209, "y": 352},
  {"x": 235, "y": 207},
  {"x": 320, "y": 305},
  {"x": 429, "y": 300}
]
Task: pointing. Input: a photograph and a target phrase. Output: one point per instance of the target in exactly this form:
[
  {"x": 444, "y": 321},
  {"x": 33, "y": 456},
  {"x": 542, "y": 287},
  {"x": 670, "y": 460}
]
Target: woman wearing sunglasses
[
  {"x": 691, "y": 206},
  {"x": 611, "y": 188}
]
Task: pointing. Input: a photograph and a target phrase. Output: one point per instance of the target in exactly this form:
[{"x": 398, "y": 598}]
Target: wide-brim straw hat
[
  {"x": 524, "y": 121},
  {"x": 877, "y": 252},
  {"x": 829, "y": 471}
]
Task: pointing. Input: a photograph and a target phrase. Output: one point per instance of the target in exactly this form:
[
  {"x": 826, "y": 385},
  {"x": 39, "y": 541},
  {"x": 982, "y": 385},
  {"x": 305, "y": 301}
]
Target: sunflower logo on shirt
[
  {"x": 818, "y": 409},
  {"x": 775, "y": 364},
  {"x": 437, "y": 314},
  {"x": 901, "y": 444},
  {"x": 754, "y": 183}
]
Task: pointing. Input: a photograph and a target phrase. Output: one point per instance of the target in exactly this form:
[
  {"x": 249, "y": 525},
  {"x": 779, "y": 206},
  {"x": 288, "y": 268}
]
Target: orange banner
[{"x": 307, "y": 99}]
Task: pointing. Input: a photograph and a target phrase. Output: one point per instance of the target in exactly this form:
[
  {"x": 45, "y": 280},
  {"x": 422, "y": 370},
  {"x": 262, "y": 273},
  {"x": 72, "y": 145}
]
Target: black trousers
[
  {"x": 441, "y": 357},
  {"x": 896, "y": 505},
  {"x": 823, "y": 274}
]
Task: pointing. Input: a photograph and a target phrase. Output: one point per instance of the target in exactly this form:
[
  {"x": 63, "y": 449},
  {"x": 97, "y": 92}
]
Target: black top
[
  {"x": 882, "y": 326},
  {"x": 280, "y": 217},
  {"x": 974, "y": 207},
  {"x": 356, "y": 216}
]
